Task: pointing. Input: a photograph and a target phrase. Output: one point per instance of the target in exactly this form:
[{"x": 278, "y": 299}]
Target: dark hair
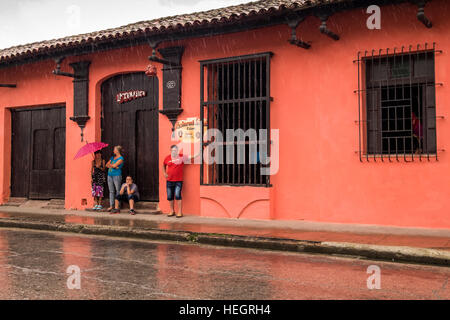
[
  {"x": 98, "y": 152},
  {"x": 173, "y": 146},
  {"x": 129, "y": 177}
]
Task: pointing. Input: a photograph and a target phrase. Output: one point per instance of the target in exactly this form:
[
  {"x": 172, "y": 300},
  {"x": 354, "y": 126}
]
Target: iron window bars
[
  {"x": 396, "y": 104},
  {"x": 235, "y": 94}
]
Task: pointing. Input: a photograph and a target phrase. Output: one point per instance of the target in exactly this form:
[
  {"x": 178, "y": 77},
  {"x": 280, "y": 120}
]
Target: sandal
[
  {"x": 110, "y": 209},
  {"x": 115, "y": 211},
  {"x": 179, "y": 215},
  {"x": 171, "y": 214},
  {"x": 132, "y": 212}
]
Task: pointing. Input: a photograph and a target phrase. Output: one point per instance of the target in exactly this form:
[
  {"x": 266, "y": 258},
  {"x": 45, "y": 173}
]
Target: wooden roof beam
[
  {"x": 421, "y": 14},
  {"x": 324, "y": 29},
  {"x": 293, "y": 23}
]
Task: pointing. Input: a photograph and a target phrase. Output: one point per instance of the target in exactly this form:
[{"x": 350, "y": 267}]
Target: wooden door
[
  {"x": 38, "y": 153},
  {"x": 133, "y": 123}
]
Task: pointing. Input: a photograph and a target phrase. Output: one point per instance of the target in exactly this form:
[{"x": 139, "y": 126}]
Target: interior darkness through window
[
  {"x": 237, "y": 98},
  {"x": 399, "y": 106}
]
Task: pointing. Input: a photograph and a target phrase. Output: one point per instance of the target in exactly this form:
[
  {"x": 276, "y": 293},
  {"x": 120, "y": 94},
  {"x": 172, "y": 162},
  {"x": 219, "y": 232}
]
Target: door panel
[
  {"x": 21, "y": 154},
  {"x": 134, "y": 126},
  {"x": 39, "y": 143},
  {"x": 145, "y": 122}
]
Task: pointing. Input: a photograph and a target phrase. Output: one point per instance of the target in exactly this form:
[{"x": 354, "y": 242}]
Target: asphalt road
[{"x": 33, "y": 265}]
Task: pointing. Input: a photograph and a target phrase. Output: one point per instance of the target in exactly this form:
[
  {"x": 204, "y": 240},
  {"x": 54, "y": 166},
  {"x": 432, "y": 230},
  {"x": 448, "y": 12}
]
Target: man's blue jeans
[
  {"x": 174, "y": 190},
  {"x": 114, "y": 183}
]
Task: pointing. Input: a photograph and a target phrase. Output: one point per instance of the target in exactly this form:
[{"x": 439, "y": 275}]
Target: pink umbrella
[{"x": 90, "y": 148}]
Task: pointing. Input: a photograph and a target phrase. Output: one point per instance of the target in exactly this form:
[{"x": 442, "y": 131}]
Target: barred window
[
  {"x": 397, "y": 104},
  {"x": 235, "y": 100}
]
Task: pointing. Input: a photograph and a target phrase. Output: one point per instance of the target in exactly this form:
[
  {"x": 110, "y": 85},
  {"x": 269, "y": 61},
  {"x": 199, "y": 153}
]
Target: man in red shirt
[{"x": 173, "y": 172}]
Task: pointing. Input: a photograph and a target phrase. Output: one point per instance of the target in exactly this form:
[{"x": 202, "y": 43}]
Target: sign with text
[
  {"x": 188, "y": 130},
  {"x": 126, "y": 96}
]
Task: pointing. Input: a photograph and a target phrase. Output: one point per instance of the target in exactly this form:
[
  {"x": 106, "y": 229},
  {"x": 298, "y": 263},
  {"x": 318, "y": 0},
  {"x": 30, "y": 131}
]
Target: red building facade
[{"x": 337, "y": 97}]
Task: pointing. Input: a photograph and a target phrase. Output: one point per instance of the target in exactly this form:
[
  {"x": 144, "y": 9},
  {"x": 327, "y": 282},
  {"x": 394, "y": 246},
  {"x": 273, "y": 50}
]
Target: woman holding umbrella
[
  {"x": 98, "y": 180},
  {"x": 97, "y": 170}
]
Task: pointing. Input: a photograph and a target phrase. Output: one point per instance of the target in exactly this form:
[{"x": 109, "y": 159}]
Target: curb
[{"x": 368, "y": 251}]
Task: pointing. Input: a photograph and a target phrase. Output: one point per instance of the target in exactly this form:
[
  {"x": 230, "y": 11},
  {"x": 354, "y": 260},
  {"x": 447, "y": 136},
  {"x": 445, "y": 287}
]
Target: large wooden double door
[
  {"x": 130, "y": 119},
  {"x": 38, "y": 152}
]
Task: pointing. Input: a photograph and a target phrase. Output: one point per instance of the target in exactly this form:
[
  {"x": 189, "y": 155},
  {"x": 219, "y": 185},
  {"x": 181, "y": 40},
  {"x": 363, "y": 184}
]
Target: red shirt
[{"x": 174, "y": 168}]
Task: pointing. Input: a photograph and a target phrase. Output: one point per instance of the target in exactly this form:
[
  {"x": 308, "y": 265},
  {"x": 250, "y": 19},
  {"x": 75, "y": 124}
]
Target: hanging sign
[{"x": 126, "y": 96}]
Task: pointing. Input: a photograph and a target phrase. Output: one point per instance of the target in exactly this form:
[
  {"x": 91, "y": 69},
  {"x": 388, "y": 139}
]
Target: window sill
[
  {"x": 400, "y": 157},
  {"x": 237, "y": 185}
]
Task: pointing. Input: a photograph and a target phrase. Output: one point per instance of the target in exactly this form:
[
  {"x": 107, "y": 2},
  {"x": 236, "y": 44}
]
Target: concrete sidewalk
[{"x": 429, "y": 246}]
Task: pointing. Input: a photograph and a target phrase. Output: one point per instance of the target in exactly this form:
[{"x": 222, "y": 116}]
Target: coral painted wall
[{"x": 320, "y": 176}]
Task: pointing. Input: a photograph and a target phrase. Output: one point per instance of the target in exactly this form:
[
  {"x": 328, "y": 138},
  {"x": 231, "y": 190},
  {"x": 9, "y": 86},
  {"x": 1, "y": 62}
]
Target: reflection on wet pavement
[
  {"x": 33, "y": 265},
  {"x": 163, "y": 223}
]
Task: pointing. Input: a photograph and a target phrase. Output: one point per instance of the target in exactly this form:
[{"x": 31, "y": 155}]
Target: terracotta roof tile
[{"x": 160, "y": 25}]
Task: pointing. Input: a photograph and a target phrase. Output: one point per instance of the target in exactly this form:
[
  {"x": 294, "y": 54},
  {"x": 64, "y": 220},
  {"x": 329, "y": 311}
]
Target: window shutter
[
  {"x": 430, "y": 120},
  {"x": 373, "y": 104}
]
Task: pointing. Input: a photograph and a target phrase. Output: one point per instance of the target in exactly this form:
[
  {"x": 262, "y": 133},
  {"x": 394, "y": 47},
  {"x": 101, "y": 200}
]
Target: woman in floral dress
[{"x": 98, "y": 180}]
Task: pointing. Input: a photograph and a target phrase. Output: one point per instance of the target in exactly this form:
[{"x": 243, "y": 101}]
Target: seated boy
[{"x": 129, "y": 193}]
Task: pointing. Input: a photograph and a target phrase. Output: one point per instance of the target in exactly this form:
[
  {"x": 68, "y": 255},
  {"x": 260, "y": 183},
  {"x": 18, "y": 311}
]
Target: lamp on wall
[
  {"x": 151, "y": 70},
  {"x": 8, "y": 85}
]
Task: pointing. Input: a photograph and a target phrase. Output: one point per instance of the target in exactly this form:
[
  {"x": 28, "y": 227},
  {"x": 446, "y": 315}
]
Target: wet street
[{"x": 33, "y": 265}]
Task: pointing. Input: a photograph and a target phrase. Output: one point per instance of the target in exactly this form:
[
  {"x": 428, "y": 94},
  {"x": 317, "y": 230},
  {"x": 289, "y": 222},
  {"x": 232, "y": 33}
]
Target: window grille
[
  {"x": 235, "y": 94},
  {"x": 396, "y": 104}
]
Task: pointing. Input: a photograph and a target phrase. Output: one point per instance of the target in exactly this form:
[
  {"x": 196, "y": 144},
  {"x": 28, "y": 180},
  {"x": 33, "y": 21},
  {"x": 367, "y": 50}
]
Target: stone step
[
  {"x": 56, "y": 202},
  {"x": 141, "y": 205},
  {"x": 34, "y": 203},
  {"x": 43, "y": 204},
  {"x": 145, "y": 205},
  {"x": 15, "y": 202},
  {"x": 126, "y": 211}
]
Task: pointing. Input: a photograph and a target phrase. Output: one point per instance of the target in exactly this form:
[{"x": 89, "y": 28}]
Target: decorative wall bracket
[
  {"x": 8, "y": 85},
  {"x": 171, "y": 80},
  {"x": 58, "y": 71},
  {"x": 293, "y": 23},
  {"x": 421, "y": 13},
  {"x": 80, "y": 90},
  {"x": 172, "y": 115},
  {"x": 324, "y": 29},
  {"x": 172, "y": 62},
  {"x": 81, "y": 121}
]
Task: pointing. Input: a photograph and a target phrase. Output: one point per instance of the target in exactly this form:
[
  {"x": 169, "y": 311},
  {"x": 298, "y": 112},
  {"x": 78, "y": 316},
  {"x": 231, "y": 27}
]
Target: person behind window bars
[{"x": 417, "y": 133}]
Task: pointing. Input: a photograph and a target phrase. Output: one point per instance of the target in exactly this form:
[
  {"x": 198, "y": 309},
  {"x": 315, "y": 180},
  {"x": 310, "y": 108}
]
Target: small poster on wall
[{"x": 188, "y": 130}]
